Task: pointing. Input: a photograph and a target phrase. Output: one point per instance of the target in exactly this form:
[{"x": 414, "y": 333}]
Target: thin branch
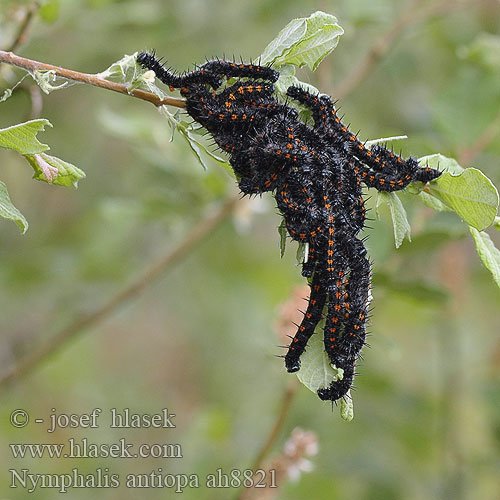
[
  {"x": 286, "y": 404},
  {"x": 22, "y": 32},
  {"x": 30, "y": 65},
  {"x": 381, "y": 46},
  {"x": 33, "y": 359}
]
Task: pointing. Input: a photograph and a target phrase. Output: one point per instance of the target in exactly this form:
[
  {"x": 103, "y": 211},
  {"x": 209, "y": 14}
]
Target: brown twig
[
  {"x": 32, "y": 360},
  {"x": 21, "y": 36},
  {"x": 286, "y": 404},
  {"x": 410, "y": 15},
  {"x": 30, "y": 65}
]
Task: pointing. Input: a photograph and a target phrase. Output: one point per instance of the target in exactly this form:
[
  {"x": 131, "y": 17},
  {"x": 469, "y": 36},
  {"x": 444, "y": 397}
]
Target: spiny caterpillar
[{"x": 316, "y": 175}]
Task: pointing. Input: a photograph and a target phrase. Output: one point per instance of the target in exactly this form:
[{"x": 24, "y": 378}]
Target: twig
[
  {"x": 32, "y": 360},
  {"x": 382, "y": 45},
  {"x": 286, "y": 404},
  {"x": 30, "y": 65},
  {"x": 21, "y": 36}
]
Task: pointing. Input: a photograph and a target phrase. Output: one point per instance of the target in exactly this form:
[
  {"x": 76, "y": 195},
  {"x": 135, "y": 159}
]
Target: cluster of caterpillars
[{"x": 316, "y": 174}]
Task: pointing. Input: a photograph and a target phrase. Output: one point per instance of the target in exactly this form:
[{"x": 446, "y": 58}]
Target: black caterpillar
[{"x": 316, "y": 174}]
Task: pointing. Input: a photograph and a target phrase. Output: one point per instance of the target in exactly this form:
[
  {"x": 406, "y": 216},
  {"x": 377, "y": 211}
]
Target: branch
[
  {"x": 31, "y": 66},
  {"x": 286, "y": 404},
  {"x": 202, "y": 230},
  {"x": 383, "y": 44},
  {"x": 22, "y": 32}
]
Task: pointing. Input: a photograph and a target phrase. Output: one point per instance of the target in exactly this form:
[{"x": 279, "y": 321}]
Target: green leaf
[
  {"x": 488, "y": 253},
  {"x": 398, "y": 214},
  {"x": 304, "y": 41},
  {"x": 283, "y": 233},
  {"x": 22, "y": 137},
  {"x": 316, "y": 371},
  {"x": 468, "y": 192},
  {"x": 53, "y": 170},
  {"x": 290, "y": 35},
  {"x": 347, "y": 408},
  {"x": 9, "y": 211},
  {"x": 432, "y": 202}
]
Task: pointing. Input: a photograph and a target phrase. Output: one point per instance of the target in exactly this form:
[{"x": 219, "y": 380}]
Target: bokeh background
[{"x": 201, "y": 339}]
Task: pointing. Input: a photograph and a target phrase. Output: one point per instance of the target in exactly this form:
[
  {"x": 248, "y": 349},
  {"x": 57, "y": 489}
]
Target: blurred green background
[{"x": 201, "y": 340}]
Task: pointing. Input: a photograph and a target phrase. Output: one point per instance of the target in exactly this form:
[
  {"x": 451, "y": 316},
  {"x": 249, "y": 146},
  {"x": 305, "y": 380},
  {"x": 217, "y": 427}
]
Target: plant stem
[
  {"x": 31, "y": 66},
  {"x": 22, "y": 33},
  {"x": 286, "y": 404}
]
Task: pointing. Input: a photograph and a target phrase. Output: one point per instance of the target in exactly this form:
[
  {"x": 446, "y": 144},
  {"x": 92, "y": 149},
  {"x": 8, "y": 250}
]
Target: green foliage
[
  {"x": 304, "y": 42},
  {"x": 316, "y": 372},
  {"x": 9, "y": 211},
  {"x": 398, "y": 213},
  {"x": 347, "y": 408},
  {"x": 53, "y": 170},
  {"x": 468, "y": 192},
  {"x": 22, "y": 139},
  {"x": 46, "y": 78},
  {"x": 488, "y": 253}
]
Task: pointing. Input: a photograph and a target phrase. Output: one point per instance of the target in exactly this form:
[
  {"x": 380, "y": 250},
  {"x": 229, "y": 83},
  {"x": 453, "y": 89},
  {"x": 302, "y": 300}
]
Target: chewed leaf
[
  {"x": 22, "y": 137},
  {"x": 398, "y": 213},
  {"x": 488, "y": 253},
  {"x": 44, "y": 79},
  {"x": 316, "y": 371},
  {"x": 304, "y": 41},
  {"x": 124, "y": 71},
  {"x": 53, "y": 170},
  {"x": 9, "y": 211}
]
